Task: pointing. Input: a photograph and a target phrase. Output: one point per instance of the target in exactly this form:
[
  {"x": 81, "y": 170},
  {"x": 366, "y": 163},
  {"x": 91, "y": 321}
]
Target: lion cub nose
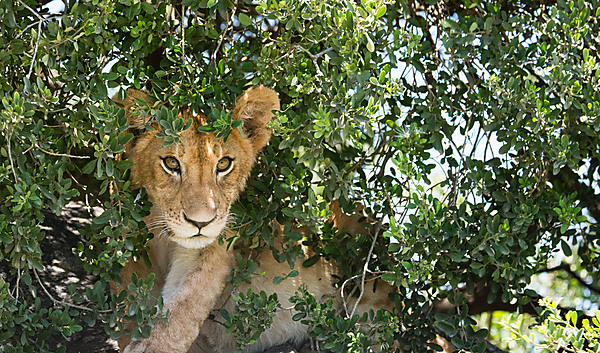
[{"x": 199, "y": 225}]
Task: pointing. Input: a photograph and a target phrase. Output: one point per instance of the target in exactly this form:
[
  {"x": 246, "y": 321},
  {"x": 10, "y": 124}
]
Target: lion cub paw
[{"x": 138, "y": 347}]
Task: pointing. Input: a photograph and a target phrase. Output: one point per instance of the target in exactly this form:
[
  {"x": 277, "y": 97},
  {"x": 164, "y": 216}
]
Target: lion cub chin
[{"x": 192, "y": 185}]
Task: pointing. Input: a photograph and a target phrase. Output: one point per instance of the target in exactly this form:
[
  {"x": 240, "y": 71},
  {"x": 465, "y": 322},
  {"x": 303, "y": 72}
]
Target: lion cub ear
[
  {"x": 133, "y": 105},
  {"x": 255, "y": 108}
]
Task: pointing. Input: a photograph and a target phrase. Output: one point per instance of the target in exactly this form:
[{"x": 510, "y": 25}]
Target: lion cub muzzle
[
  {"x": 199, "y": 222},
  {"x": 199, "y": 225}
]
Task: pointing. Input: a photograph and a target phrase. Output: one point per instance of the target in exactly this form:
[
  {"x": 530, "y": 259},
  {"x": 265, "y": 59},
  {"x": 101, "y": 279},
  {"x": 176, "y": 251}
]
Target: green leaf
[
  {"x": 89, "y": 167},
  {"x": 147, "y": 7},
  {"x": 311, "y": 261},
  {"x": 206, "y": 128},
  {"x": 389, "y": 277},
  {"x": 458, "y": 342},
  {"x": 448, "y": 23},
  {"x": 298, "y": 316},
  {"x": 103, "y": 218},
  {"x": 488, "y": 24},
  {"x": 110, "y": 76},
  {"x": 448, "y": 329},
  {"x": 244, "y": 19},
  {"x": 225, "y": 314},
  {"x": 565, "y": 247},
  {"x": 380, "y": 12},
  {"x": 370, "y": 45},
  {"x": 109, "y": 167},
  {"x": 481, "y": 347}
]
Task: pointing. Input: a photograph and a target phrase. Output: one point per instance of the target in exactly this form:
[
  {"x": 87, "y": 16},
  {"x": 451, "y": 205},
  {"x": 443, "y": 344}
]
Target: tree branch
[
  {"x": 61, "y": 302},
  {"x": 478, "y": 303},
  {"x": 366, "y": 268},
  {"x": 567, "y": 269},
  {"x": 59, "y": 154}
]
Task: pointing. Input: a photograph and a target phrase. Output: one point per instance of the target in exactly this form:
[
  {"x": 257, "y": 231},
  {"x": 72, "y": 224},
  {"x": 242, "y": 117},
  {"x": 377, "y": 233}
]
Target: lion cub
[{"x": 192, "y": 185}]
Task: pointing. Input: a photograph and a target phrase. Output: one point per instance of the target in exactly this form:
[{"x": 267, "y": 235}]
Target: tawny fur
[{"x": 191, "y": 271}]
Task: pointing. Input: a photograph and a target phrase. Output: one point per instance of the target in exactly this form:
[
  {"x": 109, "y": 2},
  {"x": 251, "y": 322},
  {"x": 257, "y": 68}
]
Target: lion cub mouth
[
  {"x": 196, "y": 237},
  {"x": 197, "y": 241}
]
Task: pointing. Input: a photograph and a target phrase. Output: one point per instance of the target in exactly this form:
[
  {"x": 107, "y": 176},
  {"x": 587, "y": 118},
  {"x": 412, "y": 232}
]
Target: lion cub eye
[
  {"x": 224, "y": 164},
  {"x": 172, "y": 164}
]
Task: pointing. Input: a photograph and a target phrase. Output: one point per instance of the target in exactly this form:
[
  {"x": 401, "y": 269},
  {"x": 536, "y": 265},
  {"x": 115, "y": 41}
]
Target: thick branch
[
  {"x": 477, "y": 304},
  {"x": 567, "y": 269}
]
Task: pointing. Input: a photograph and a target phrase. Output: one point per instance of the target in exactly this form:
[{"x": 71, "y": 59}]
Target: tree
[{"x": 467, "y": 130}]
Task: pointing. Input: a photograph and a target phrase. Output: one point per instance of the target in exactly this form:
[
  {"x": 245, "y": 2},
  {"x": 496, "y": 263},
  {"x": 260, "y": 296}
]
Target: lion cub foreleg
[{"x": 192, "y": 287}]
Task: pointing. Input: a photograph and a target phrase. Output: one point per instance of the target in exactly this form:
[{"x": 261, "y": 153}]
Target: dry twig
[
  {"x": 39, "y": 33},
  {"x": 61, "y": 302},
  {"x": 60, "y": 154}
]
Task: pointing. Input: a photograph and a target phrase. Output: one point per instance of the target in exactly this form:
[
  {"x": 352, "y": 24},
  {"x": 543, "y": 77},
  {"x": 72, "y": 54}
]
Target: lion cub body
[
  {"x": 211, "y": 336},
  {"x": 192, "y": 185}
]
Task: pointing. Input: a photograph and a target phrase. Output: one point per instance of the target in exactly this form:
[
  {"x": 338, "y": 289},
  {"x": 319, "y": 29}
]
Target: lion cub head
[{"x": 192, "y": 184}]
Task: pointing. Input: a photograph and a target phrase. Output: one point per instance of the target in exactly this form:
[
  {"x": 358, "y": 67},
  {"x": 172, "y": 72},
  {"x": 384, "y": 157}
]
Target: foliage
[
  {"x": 137, "y": 305},
  {"x": 342, "y": 333},
  {"x": 560, "y": 331},
  {"x": 467, "y": 130},
  {"x": 253, "y": 315}
]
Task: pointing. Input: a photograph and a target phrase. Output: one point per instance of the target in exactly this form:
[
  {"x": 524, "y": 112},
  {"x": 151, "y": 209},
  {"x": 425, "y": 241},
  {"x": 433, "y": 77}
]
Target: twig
[
  {"x": 314, "y": 57},
  {"x": 64, "y": 303},
  {"x": 32, "y": 10},
  {"x": 60, "y": 154},
  {"x": 39, "y": 33},
  {"x": 12, "y": 165},
  {"x": 381, "y": 164},
  {"x": 222, "y": 36},
  {"x": 366, "y": 268},
  {"x": 116, "y": 192},
  {"x": 36, "y": 23},
  {"x": 320, "y": 54},
  {"x": 35, "y": 50},
  {"x": 342, "y": 292},
  {"x": 183, "y": 32},
  {"x": 16, "y": 291},
  {"x": 377, "y": 274}
]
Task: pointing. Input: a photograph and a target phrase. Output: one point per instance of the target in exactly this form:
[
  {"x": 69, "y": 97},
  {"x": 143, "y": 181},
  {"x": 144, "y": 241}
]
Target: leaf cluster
[{"x": 466, "y": 130}]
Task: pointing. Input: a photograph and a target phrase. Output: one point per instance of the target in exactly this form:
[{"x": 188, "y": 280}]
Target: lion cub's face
[{"x": 192, "y": 184}]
